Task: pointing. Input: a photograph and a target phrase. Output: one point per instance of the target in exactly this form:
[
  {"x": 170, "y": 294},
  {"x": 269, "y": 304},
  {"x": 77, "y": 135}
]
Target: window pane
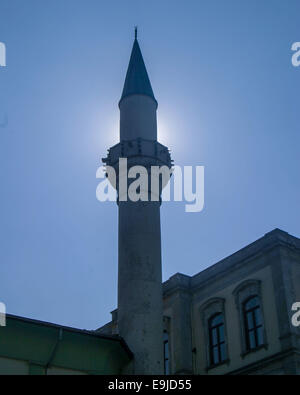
[
  {"x": 223, "y": 352},
  {"x": 215, "y": 354},
  {"x": 258, "y": 317},
  {"x": 166, "y": 336},
  {"x": 252, "y": 342},
  {"x": 221, "y": 333},
  {"x": 214, "y": 336},
  {"x": 218, "y": 319},
  {"x": 250, "y": 323},
  {"x": 253, "y": 302},
  {"x": 167, "y": 367},
  {"x": 166, "y": 350},
  {"x": 260, "y": 336}
]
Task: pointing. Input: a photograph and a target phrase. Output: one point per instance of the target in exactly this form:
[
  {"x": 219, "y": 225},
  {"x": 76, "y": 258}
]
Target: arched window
[
  {"x": 249, "y": 303},
  {"x": 214, "y": 330},
  {"x": 166, "y": 353},
  {"x": 253, "y": 323},
  {"x": 217, "y": 345}
]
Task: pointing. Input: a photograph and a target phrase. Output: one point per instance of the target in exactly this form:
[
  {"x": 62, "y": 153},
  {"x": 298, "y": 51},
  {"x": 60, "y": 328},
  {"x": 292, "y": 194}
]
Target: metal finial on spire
[{"x": 135, "y": 32}]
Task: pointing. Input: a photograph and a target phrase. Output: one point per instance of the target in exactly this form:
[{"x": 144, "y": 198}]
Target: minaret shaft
[
  {"x": 138, "y": 118},
  {"x": 140, "y": 316}
]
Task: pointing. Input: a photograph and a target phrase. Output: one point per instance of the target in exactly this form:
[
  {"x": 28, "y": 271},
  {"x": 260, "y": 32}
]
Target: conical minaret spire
[
  {"x": 137, "y": 81},
  {"x": 140, "y": 313}
]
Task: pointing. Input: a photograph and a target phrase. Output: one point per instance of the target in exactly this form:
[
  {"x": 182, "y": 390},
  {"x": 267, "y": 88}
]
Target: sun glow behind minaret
[
  {"x": 169, "y": 133},
  {"x": 163, "y": 135}
]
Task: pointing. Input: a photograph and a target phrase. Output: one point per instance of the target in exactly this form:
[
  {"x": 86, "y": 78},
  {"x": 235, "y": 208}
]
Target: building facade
[{"x": 235, "y": 316}]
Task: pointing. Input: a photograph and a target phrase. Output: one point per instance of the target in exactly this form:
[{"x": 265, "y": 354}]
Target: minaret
[{"x": 140, "y": 314}]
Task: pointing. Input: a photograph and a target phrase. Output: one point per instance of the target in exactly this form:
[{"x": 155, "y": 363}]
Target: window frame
[
  {"x": 211, "y": 308},
  {"x": 219, "y": 343},
  {"x": 243, "y": 293},
  {"x": 256, "y": 326}
]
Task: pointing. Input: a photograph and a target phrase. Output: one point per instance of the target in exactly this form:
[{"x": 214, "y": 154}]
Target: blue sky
[{"x": 228, "y": 100}]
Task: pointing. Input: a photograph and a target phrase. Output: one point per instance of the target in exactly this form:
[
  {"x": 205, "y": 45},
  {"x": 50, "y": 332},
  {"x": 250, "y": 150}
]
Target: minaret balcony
[{"x": 139, "y": 152}]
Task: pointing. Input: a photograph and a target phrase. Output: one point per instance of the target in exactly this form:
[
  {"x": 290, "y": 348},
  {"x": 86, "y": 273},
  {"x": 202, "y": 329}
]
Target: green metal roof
[
  {"x": 137, "y": 81},
  {"x": 44, "y": 345}
]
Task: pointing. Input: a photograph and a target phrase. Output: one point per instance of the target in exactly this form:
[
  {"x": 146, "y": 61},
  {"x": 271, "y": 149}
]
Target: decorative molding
[
  {"x": 211, "y": 307},
  {"x": 245, "y": 290}
]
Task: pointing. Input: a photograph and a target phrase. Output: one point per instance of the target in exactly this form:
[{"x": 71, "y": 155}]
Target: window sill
[
  {"x": 210, "y": 367},
  {"x": 259, "y": 348}
]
